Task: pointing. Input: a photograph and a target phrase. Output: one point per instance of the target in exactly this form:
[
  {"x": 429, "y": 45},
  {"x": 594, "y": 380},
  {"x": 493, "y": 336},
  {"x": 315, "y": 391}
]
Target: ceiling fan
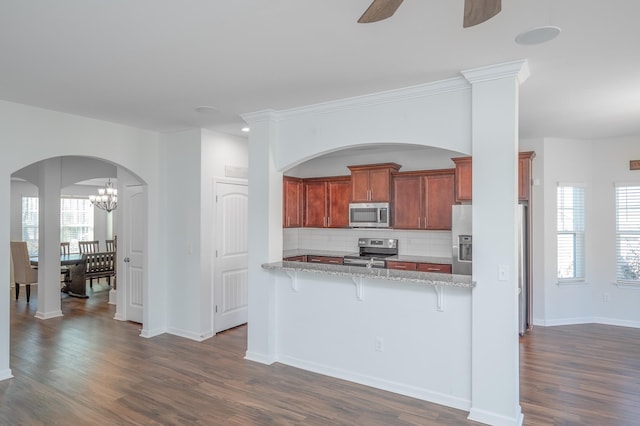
[{"x": 475, "y": 11}]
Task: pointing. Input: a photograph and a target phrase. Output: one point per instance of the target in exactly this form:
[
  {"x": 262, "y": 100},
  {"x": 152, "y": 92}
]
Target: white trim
[
  {"x": 490, "y": 418},
  {"x": 378, "y": 383},
  {"x": 48, "y": 315},
  {"x": 258, "y": 357},
  {"x": 635, "y": 285},
  {"x": 152, "y": 333},
  {"x": 572, "y": 282},
  {"x": 198, "y": 337},
  {"x": 5, "y": 374}
]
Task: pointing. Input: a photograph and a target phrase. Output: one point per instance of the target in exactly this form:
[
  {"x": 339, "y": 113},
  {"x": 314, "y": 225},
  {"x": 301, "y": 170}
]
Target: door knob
[{"x": 126, "y": 259}]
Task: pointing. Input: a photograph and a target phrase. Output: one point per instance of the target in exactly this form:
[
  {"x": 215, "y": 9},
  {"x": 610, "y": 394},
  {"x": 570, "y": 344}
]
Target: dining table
[{"x": 77, "y": 285}]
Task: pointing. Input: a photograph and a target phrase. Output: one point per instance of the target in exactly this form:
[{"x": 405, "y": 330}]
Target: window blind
[
  {"x": 628, "y": 233},
  {"x": 76, "y": 222},
  {"x": 570, "y": 232}
]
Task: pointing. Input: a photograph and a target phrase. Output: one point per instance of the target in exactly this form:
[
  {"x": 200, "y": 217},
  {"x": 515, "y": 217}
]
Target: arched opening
[{"x": 50, "y": 203}]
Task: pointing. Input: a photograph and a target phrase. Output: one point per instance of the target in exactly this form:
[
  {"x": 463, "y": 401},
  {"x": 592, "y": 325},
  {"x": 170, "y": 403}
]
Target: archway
[{"x": 47, "y": 180}]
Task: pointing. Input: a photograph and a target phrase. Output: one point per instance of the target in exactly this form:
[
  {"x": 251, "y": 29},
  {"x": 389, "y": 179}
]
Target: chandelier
[{"x": 107, "y": 198}]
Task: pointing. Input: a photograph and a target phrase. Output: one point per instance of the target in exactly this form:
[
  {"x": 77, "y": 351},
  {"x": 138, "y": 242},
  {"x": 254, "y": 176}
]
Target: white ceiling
[{"x": 149, "y": 63}]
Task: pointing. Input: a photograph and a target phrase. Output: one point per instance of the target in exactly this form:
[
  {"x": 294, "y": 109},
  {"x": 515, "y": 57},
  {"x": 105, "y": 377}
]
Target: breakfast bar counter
[{"x": 427, "y": 278}]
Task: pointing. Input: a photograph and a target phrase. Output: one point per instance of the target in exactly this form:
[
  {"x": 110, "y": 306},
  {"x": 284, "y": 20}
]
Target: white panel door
[
  {"x": 135, "y": 241},
  {"x": 230, "y": 277}
]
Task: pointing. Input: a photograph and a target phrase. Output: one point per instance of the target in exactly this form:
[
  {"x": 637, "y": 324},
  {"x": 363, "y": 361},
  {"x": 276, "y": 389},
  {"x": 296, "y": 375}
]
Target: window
[
  {"x": 628, "y": 234},
  {"x": 76, "y": 222},
  {"x": 570, "y": 230}
]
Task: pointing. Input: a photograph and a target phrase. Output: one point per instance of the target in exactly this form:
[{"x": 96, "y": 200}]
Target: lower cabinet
[
  {"x": 302, "y": 258},
  {"x": 422, "y": 267},
  {"x": 325, "y": 259}
]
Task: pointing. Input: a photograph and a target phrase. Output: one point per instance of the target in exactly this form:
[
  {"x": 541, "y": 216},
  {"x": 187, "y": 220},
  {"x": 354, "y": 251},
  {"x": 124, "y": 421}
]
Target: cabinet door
[
  {"x": 292, "y": 203},
  {"x": 434, "y": 267},
  {"x": 315, "y": 195},
  {"x": 406, "y": 202},
  {"x": 524, "y": 175},
  {"x": 325, "y": 259},
  {"x": 438, "y": 199},
  {"x": 379, "y": 185},
  {"x": 360, "y": 186},
  {"x": 338, "y": 203},
  {"x": 407, "y": 266},
  {"x": 463, "y": 179}
]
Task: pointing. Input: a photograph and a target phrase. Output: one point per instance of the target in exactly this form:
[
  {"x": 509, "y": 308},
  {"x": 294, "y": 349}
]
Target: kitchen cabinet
[
  {"x": 291, "y": 202},
  {"x": 422, "y": 267},
  {"x": 325, "y": 259},
  {"x": 405, "y": 266},
  {"x": 463, "y": 177},
  {"x": 301, "y": 258},
  {"x": 326, "y": 202},
  {"x": 434, "y": 267},
  {"x": 372, "y": 182},
  {"x": 423, "y": 199}
]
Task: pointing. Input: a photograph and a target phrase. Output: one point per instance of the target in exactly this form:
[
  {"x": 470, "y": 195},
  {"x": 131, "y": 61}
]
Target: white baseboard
[
  {"x": 258, "y": 357},
  {"x": 152, "y": 333},
  {"x": 5, "y": 374},
  {"x": 494, "y": 419},
  {"x": 48, "y": 315},
  {"x": 378, "y": 383},
  {"x": 198, "y": 337},
  {"x": 586, "y": 320}
]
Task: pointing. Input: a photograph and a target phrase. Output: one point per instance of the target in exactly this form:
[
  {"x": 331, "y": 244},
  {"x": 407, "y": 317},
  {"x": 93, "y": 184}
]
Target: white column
[
  {"x": 5, "y": 255},
  {"x": 495, "y": 357},
  {"x": 49, "y": 239},
  {"x": 265, "y": 236}
]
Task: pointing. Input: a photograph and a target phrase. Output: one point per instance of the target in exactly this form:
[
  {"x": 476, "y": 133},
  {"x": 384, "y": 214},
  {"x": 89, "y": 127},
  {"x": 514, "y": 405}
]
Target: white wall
[
  {"x": 598, "y": 164},
  {"x": 194, "y": 160},
  {"x": 35, "y": 134},
  {"x": 438, "y": 115}
]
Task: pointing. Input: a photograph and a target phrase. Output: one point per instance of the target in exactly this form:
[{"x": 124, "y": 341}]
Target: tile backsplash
[{"x": 410, "y": 243}]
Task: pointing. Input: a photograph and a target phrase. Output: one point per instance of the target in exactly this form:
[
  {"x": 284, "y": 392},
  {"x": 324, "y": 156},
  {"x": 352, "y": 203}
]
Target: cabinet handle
[
  {"x": 314, "y": 260},
  {"x": 400, "y": 267},
  {"x": 433, "y": 269},
  {"x": 418, "y": 221},
  {"x": 334, "y": 261},
  {"x": 329, "y": 221}
]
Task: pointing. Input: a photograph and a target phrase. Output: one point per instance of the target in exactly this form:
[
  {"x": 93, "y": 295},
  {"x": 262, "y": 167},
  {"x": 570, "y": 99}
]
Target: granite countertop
[{"x": 427, "y": 278}]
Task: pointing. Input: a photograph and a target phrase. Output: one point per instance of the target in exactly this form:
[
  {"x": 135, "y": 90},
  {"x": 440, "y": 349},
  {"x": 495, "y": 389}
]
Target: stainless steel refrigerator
[{"x": 462, "y": 241}]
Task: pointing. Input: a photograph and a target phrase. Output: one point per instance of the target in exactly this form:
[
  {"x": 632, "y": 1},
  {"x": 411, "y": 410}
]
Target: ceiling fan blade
[
  {"x": 478, "y": 11},
  {"x": 379, "y": 10}
]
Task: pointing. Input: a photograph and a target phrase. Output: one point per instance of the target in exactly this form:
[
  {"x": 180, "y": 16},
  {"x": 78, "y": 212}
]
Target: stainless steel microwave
[{"x": 369, "y": 215}]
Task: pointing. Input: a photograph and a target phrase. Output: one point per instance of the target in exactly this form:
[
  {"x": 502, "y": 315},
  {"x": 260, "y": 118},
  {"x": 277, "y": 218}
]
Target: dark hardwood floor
[{"x": 86, "y": 368}]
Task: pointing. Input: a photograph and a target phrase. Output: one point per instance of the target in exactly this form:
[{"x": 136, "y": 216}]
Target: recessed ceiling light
[
  {"x": 245, "y": 129},
  {"x": 205, "y": 109},
  {"x": 538, "y": 35}
]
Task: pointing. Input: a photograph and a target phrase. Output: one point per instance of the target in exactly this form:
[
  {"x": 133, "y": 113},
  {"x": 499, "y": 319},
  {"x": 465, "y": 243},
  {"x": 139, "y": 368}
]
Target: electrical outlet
[
  {"x": 379, "y": 344},
  {"x": 606, "y": 296}
]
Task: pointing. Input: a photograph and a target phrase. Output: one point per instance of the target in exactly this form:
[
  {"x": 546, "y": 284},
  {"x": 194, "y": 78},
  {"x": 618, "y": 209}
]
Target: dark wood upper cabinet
[
  {"x": 463, "y": 177},
  {"x": 423, "y": 199},
  {"x": 372, "y": 182},
  {"x": 292, "y": 202},
  {"x": 326, "y": 202}
]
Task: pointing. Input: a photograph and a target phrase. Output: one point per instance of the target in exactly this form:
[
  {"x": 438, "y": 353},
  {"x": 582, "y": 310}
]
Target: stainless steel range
[{"x": 373, "y": 252}]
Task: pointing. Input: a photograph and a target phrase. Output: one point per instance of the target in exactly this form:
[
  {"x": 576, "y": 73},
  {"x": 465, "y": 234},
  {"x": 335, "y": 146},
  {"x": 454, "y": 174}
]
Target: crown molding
[{"x": 518, "y": 69}]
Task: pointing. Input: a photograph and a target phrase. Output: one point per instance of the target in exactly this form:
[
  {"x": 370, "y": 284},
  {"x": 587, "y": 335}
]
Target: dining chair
[
  {"x": 89, "y": 247},
  {"x": 23, "y": 272},
  {"x": 111, "y": 245},
  {"x": 65, "y": 249}
]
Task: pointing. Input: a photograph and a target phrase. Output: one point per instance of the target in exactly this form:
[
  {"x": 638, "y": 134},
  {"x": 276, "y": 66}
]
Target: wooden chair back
[
  {"x": 65, "y": 248},
  {"x": 89, "y": 246},
  {"x": 111, "y": 245}
]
